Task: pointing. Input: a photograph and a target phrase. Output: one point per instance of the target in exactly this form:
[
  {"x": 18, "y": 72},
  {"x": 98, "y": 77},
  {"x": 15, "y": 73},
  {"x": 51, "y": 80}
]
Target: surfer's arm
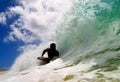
[
  {"x": 44, "y": 51},
  {"x": 57, "y": 54}
]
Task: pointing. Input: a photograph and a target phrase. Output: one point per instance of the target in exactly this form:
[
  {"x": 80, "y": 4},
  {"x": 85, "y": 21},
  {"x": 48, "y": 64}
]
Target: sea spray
[
  {"x": 50, "y": 15},
  {"x": 90, "y": 32}
]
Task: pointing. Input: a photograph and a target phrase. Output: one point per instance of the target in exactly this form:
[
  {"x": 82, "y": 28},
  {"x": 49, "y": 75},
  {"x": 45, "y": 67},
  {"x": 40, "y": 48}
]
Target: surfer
[{"x": 52, "y": 52}]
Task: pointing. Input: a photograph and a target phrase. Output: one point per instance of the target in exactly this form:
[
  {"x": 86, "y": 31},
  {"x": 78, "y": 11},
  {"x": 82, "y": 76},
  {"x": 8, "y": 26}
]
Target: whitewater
[{"x": 87, "y": 35}]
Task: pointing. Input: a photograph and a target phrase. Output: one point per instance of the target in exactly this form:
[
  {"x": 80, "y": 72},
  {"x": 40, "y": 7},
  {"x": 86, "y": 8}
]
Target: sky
[
  {"x": 8, "y": 50},
  {"x": 25, "y": 24}
]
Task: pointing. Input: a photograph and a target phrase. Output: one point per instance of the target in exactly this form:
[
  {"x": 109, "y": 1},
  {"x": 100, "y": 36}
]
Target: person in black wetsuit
[{"x": 52, "y": 52}]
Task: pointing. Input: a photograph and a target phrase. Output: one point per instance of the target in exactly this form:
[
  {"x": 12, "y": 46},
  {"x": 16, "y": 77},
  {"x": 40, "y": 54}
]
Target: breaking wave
[{"x": 89, "y": 35}]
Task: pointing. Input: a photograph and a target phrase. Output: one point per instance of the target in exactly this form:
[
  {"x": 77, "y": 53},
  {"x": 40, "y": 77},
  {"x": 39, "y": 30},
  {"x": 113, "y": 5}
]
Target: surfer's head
[{"x": 53, "y": 46}]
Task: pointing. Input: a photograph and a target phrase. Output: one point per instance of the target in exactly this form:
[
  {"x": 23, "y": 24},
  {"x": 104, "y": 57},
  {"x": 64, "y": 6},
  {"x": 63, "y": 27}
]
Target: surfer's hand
[
  {"x": 41, "y": 57},
  {"x": 38, "y": 57}
]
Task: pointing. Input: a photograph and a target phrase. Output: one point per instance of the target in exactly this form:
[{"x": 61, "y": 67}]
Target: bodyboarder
[{"x": 51, "y": 52}]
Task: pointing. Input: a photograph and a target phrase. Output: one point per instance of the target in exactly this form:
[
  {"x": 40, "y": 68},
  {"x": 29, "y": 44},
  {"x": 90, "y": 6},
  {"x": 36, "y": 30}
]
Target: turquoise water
[
  {"x": 91, "y": 20},
  {"x": 91, "y": 30}
]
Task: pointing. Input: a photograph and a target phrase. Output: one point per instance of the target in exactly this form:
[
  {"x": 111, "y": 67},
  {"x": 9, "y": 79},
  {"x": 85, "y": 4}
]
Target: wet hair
[{"x": 53, "y": 46}]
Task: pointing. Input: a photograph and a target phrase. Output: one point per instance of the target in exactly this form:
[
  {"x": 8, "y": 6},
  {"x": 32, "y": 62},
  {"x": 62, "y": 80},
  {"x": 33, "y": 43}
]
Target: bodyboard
[{"x": 44, "y": 59}]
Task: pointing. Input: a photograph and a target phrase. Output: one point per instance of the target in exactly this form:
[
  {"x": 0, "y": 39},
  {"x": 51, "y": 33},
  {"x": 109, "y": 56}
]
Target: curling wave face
[{"x": 91, "y": 35}]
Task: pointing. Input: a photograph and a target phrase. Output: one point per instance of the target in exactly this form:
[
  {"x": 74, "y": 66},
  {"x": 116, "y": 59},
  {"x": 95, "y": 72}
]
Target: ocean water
[
  {"x": 90, "y": 35},
  {"x": 88, "y": 39}
]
